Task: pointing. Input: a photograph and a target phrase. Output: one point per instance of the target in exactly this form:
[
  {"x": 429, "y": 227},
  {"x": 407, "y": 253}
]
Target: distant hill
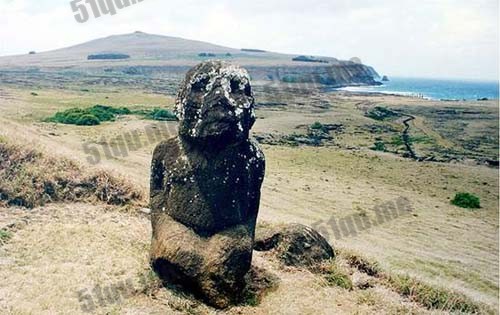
[{"x": 162, "y": 53}]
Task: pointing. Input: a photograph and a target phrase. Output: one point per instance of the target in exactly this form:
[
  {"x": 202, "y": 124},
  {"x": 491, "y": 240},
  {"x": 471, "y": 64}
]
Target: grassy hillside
[{"x": 437, "y": 259}]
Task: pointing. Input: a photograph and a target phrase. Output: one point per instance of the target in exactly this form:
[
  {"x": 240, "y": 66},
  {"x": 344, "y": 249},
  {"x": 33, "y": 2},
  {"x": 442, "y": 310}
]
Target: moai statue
[{"x": 205, "y": 186}]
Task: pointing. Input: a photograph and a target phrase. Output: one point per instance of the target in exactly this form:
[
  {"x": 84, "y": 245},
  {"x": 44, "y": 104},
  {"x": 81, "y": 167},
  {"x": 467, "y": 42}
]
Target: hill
[{"x": 155, "y": 53}]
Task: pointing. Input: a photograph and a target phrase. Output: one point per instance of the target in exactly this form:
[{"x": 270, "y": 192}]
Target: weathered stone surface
[
  {"x": 205, "y": 186},
  {"x": 295, "y": 244}
]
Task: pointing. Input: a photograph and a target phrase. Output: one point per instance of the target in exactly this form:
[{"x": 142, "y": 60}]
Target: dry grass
[
  {"x": 60, "y": 257},
  {"x": 30, "y": 177},
  {"x": 436, "y": 298},
  {"x": 432, "y": 297}
]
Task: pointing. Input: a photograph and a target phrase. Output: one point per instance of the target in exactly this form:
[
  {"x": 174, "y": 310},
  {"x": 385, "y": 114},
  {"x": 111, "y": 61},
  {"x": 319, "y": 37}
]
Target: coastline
[{"x": 444, "y": 91}]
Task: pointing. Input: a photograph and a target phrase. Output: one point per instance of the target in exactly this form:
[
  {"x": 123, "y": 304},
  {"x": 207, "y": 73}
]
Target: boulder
[
  {"x": 294, "y": 244},
  {"x": 205, "y": 186}
]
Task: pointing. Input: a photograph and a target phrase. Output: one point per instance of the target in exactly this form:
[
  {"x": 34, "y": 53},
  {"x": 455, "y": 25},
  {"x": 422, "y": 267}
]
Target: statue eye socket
[{"x": 235, "y": 85}]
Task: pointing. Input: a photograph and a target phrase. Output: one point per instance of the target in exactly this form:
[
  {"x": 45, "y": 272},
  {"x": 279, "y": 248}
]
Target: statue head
[{"x": 215, "y": 104}]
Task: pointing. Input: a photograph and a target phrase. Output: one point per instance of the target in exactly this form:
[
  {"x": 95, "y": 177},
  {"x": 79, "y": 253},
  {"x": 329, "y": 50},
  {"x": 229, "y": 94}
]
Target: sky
[{"x": 418, "y": 38}]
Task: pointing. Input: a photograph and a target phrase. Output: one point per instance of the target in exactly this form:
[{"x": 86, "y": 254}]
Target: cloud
[{"x": 446, "y": 38}]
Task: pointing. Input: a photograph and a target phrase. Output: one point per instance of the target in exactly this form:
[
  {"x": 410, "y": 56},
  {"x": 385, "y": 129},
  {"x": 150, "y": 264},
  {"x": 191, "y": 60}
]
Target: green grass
[
  {"x": 5, "y": 236},
  {"x": 466, "y": 200},
  {"x": 335, "y": 276},
  {"x": 397, "y": 140}
]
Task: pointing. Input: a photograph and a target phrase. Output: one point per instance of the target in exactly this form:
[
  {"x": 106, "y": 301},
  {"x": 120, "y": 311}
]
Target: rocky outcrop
[
  {"x": 294, "y": 244},
  {"x": 205, "y": 187},
  {"x": 340, "y": 74}
]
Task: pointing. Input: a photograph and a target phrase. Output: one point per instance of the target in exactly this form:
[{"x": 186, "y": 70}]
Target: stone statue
[{"x": 205, "y": 186}]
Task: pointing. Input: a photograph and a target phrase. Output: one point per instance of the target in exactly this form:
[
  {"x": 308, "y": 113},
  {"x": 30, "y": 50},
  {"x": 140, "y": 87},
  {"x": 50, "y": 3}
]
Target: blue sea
[{"x": 435, "y": 89}]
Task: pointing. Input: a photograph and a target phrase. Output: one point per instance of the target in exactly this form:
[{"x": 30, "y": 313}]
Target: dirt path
[{"x": 407, "y": 138}]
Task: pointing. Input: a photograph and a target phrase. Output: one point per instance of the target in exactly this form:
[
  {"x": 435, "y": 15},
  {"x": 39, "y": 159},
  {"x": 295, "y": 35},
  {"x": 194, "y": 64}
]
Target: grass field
[{"x": 55, "y": 251}]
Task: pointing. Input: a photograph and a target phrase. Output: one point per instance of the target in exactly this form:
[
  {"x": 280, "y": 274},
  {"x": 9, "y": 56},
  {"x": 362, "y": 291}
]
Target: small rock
[{"x": 295, "y": 244}]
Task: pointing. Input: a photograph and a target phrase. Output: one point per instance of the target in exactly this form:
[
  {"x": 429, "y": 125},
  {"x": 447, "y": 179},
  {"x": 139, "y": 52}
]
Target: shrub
[
  {"x": 87, "y": 120},
  {"x": 88, "y": 116},
  {"x": 379, "y": 146},
  {"x": 317, "y": 125},
  {"x": 108, "y": 56},
  {"x": 207, "y": 55},
  {"x": 162, "y": 114},
  {"x": 466, "y": 200},
  {"x": 309, "y": 59},
  {"x": 157, "y": 114},
  {"x": 381, "y": 113}
]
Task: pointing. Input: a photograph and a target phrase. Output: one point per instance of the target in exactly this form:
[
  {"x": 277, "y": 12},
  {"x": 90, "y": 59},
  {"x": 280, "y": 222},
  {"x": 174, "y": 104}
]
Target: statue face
[{"x": 216, "y": 103}]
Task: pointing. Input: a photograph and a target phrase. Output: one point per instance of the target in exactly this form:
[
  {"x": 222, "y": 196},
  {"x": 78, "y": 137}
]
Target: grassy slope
[
  {"x": 45, "y": 268},
  {"x": 441, "y": 245}
]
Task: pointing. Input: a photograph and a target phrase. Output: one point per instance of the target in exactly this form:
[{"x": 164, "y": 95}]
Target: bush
[
  {"x": 308, "y": 59},
  {"x": 90, "y": 116},
  {"x": 379, "y": 146},
  {"x": 87, "y": 120},
  {"x": 317, "y": 125},
  {"x": 157, "y": 114},
  {"x": 163, "y": 114},
  {"x": 466, "y": 200},
  {"x": 381, "y": 113},
  {"x": 206, "y": 55},
  {"x": 108, "y": 56}
]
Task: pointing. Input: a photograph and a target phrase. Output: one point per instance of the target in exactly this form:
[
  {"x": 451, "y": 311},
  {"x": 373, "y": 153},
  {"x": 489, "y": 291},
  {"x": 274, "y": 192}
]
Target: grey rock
[{"x": 294, "y": 244}]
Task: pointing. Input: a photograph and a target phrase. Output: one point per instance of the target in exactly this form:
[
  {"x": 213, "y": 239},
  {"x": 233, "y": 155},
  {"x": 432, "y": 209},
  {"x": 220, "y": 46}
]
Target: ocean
[{"x": 435, "y": 89}]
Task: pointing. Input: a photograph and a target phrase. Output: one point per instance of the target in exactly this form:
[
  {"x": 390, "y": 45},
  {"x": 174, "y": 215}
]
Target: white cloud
[{"x": 426, "y": 38}]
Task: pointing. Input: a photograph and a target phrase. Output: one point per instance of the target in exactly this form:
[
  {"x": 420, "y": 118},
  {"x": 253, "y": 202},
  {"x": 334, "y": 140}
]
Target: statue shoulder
[
  {"x": 168, "y": 151},
  {"x": 256, "y": 158},
  {"x": 256, "y": 150}
]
